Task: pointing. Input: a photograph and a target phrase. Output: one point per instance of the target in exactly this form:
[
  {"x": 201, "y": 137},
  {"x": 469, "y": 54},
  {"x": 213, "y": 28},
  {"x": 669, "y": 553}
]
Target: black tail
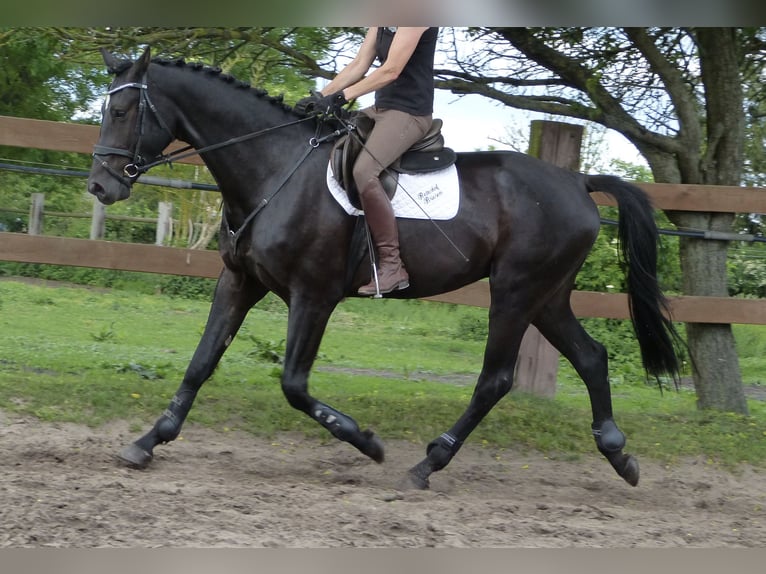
[{"x": 649, "y": 310}]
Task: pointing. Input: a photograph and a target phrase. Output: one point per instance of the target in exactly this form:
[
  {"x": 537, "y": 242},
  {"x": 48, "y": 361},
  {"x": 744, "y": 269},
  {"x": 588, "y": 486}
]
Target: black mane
[{"x": 215, "y": 71}]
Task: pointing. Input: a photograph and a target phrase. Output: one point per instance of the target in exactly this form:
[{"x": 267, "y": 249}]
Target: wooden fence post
[
  {"x": 164, "y": 222},
  {"x": 36, "y": 214},
  {"x": 537, "y": 365},
  {"x": 98, "y": 221}
]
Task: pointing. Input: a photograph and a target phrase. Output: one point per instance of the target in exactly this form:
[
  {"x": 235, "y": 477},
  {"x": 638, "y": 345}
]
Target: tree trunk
[
  {"x": 697, "y": 149},
  {"x": 717, "y": 377},
  {"x": 715, "y": 364}
]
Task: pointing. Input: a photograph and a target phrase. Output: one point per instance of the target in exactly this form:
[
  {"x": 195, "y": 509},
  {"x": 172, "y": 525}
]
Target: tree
[
  {"x": 685, "y": 97},
  {"x": 274, "y": 59},
  {"x": 677, "y": 95},
  {"x": 36, "y": 83}
]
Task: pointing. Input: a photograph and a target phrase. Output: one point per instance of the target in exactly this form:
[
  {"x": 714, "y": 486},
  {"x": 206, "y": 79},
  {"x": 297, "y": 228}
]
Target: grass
[
  {"x": 751, "y": 348},
  {"x": 82, "y": 355}
]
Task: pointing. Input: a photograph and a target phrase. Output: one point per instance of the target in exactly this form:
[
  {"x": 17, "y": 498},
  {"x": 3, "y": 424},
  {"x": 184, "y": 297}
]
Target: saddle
[{"x": 426, "y": 155}]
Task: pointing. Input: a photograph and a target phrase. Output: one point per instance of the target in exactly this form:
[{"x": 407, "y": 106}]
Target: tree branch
[
  {"x": 672, "y": 78},
  {"x": 446, "y": 73},
  {"x": 543, "y": 104},
  {"x": 577, "y": 76}
]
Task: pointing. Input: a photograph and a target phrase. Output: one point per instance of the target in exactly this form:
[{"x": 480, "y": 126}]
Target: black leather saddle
[{"x": 428, "y": 154}]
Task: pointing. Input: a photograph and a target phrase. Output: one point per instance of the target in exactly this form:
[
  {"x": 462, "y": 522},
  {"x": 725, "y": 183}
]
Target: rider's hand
[
  {"x": 331, "y": 105},
  {"x": 307, "y": 106}
]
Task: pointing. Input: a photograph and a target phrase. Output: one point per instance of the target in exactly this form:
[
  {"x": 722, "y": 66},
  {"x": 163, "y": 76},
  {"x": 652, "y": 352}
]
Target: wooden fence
[
  {"x": 98, "y": 217},
  {"x": 154, "y": 259}
]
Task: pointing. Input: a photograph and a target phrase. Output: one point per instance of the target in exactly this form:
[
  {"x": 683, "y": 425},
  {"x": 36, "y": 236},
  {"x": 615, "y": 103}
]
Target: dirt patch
[
  {"x": 60, "y": 486},
  {"x": 755, "y": 391}
]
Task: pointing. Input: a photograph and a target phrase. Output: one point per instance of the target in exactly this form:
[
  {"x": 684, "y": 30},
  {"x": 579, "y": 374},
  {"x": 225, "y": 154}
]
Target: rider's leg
[{"x": 394, "y": 132}]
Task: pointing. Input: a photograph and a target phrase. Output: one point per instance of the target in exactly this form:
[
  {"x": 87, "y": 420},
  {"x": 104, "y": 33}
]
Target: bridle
[{"x": 137, "y": 166}]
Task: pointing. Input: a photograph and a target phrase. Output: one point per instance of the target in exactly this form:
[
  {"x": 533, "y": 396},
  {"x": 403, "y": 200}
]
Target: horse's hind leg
[
  {"x": 507, "y": 324},
  {"x": 558, "y": 324},
  {"x": 234, "y": 296}
]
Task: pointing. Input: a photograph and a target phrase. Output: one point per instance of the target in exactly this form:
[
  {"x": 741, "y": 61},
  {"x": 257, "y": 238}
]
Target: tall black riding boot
[{"x": 385, "y": 234}]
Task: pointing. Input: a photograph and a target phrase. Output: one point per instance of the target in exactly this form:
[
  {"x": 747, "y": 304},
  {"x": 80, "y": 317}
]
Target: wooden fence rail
[
  {"x": 41, "y": 134},
  {"x": 25, "y": 248},
  {"x": 156, "y": 259},
  {"x": 60, "y": 136},
  {"x": 98, "y": 217}
]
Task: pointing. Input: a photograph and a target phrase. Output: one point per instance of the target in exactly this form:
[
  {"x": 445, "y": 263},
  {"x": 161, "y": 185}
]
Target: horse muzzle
[
  {"x": 108, "y": 184},
  {"x": 109, "y": 191}
]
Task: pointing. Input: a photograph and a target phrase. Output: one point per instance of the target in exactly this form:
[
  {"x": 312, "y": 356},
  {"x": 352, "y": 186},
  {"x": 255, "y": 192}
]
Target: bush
[
  {"x": 187, "y": 287},
  {"x": 621, "y": 346},
  {"x": 199, "y": 288},
  {"x": 747, "y": 272}
]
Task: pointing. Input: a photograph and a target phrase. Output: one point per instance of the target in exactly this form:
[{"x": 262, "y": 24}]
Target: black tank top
[{"x": 413, "y": 90}]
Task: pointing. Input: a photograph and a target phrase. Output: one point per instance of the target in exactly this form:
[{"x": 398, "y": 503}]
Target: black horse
[{"x": 525, "y": 224}]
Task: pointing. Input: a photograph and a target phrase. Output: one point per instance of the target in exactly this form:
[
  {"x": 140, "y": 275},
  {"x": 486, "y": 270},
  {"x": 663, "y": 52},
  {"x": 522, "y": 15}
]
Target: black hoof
[
  {"x": 630, "y": 470},
  {"x": 413, "y": 481},
  {"x": 417, "y": 477},
  {"x": 134, "y": 456},
  {"x": 373, "y": 447}
]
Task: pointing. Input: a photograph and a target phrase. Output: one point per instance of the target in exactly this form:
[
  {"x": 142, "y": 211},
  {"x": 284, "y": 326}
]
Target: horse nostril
[{"x": 96, "y": 189}]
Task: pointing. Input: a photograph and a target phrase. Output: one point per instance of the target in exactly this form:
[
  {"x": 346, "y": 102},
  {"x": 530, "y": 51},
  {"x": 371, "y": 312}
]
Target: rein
[
  {"x": 133, "y": 170},
  {"x": 188, "y": 151},
  {"x": 313, "y": 143}
]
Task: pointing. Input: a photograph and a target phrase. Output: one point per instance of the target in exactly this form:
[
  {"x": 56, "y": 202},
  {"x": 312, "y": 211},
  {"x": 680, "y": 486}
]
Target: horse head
[{"x": 132, "y": 130}]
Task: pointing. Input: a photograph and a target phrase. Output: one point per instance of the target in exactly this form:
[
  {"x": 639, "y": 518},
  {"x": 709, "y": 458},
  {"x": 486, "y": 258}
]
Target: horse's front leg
[
  {"x": 306, "y": 325},
  {"x": 234, "y": 296}
]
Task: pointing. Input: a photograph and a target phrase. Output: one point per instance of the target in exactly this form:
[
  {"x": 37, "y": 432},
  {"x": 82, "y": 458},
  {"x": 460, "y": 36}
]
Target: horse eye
[{"x": 118, "y": 113}]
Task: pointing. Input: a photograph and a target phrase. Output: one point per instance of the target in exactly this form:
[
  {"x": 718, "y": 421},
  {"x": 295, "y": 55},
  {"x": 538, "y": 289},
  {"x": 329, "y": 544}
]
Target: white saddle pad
[{"x": 433, "y": 195}]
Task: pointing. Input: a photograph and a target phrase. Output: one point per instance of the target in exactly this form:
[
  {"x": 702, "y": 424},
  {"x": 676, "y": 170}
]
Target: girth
[{"x": 428, "y": 154}]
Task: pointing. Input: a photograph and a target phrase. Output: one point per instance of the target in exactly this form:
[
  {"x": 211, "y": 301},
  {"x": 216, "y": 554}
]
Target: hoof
[
  {"x": 413, "y": 481},
  {"x": 417, "y": 477},
  {"x": 630, "y": 470},
  {"x": 134, "y": 456},
  {"x": 373, "y": 447}
]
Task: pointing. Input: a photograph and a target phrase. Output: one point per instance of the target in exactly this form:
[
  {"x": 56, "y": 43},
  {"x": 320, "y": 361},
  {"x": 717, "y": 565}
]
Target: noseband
[{"x": 132, "y": 170}]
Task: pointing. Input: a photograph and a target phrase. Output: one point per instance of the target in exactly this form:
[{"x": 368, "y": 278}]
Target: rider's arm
[
  {"x": 402, "y": 47},
  {"x": 358, "y": 67}
]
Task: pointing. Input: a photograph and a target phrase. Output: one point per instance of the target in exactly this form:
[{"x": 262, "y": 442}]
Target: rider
[{"x": 404, "y": 94}]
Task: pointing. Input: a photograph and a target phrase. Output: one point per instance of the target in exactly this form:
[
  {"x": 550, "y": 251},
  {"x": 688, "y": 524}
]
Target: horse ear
[
  {"x": 113, "y": 63},
  {"x": 143, "y": 62}
]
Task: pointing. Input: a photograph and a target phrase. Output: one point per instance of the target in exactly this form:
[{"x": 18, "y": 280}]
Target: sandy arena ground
[{"x": 61, "y": 486}]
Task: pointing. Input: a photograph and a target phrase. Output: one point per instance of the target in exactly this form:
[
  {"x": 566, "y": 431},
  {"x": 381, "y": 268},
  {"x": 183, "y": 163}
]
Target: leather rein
[{"x": 133, "y": 170}]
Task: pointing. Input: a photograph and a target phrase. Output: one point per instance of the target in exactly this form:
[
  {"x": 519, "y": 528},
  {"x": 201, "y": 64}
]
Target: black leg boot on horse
[{"x": 391, "y": 274}]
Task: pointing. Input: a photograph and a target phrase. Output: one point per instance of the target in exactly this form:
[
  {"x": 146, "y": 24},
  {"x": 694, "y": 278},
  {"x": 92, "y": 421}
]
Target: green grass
[
  {"x": 82, "y": 355},
  {"x": 751, "y": 348}
]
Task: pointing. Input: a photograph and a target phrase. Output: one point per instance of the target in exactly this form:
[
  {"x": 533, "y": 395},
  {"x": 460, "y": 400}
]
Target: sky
[{"x": 473, "y": 122}]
